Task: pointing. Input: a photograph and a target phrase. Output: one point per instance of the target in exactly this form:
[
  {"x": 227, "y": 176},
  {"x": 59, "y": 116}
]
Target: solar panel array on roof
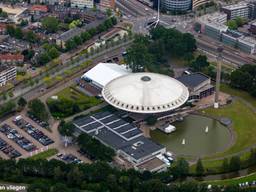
[
  {"x": 119, "y": 134},
  {"x": 110, "y": 121}
]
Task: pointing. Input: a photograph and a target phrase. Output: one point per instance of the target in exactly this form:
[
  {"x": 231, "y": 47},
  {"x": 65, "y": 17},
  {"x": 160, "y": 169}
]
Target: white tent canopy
[{"x": 103, "y": 73}]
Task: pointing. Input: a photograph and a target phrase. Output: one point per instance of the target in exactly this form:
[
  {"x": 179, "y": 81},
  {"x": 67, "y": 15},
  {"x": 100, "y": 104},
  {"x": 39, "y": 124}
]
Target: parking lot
[{"x": 21, "y": 137}]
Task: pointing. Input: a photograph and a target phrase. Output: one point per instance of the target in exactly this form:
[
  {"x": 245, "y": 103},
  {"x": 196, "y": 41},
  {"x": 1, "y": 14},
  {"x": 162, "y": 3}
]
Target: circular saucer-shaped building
[{"x": 145, "y": 93}]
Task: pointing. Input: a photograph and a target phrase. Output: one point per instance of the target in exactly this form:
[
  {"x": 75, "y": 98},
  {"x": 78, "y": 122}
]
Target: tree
[
  {"x": 225, "y": 165},
  {"x": 66, "y": 129},
  {"x": 180, "y": 169},
  {"x": 85, "y": 36},
  {"x": 200, "y": 63},
  {"x": 30, "y": 36},
  {"x": 70, "y": 44},
  {"x": 199, "y": 168},
  {"x": 38, "y": 109},
  {"x": 234, "y": 163},
  {"x": 7, "y": 108},
  {"x": 109, "y": 12},
  {"x": 22, "y": 102},
  {"x": 138, "y": 56},
  {"x": 232, "y": 25},
  {"x": 50, "y": 24},
  {"x": 53, "y": 53},
  {"x": 43, "y": 58}
]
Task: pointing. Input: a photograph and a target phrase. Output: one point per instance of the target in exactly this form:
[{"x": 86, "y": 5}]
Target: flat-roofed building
[
  {"x": 7, "y": 74},
  {"x": 236, "y": 10},
  {"x": 253, "y": 28},
  {"x": 82, "y": 3},
  {"x": 230, "y": 38},
  {"x": 247, "y": 45},
  {"x": 125, "y": 138},
  {"x": 215, "y": 30},
  {"x": 199, "y": 85}
]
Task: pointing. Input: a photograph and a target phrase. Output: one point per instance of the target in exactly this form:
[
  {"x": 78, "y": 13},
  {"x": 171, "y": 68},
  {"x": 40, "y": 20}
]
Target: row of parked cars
[
  {"x": 8, "y": 150},
  {"x": 14, "y": 135},
  {"x": 34, "y": 132},
  {"x": 69, "y": 158},
  {"x": 43, "y": 124}
]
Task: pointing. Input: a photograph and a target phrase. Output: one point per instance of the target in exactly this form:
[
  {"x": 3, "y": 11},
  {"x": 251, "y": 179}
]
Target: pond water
[{"x": 198, "y": 142}]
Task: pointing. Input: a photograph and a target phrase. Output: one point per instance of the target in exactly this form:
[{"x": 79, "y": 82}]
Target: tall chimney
[{"x": 218, "y": 76}]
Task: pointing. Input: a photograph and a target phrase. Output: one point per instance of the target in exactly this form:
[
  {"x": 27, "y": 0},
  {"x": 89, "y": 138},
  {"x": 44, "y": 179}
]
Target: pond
[{"x": 192, "y": 139}]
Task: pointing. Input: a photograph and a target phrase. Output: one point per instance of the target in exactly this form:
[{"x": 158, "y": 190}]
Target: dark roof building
[
  {"x": 199, "y": 85},
  {"x": 125, "y": 138}
]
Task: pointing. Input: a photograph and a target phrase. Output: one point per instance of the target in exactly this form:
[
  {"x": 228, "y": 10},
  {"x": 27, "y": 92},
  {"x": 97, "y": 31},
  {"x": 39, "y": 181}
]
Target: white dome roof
[{"x": 145, "y": 93}]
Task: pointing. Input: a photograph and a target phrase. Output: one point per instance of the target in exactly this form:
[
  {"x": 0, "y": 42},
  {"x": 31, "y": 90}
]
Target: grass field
[
  {"x": 235, "y": 181},
  {"x": 244, "y": 124},
  {"x": 239, "y": 93},
  {"x": 45, "y": 154},
  {"x": 80, "y": 98}
]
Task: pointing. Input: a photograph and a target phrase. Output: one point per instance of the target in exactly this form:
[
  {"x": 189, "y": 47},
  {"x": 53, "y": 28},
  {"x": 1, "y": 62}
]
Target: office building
[
  {"x": 82, "y": 3},
  {"x": 236, "y": 10},
  {"x": 176, "y": 5}
]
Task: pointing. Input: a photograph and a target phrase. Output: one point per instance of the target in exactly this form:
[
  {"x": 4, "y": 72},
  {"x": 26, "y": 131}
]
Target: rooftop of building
[
  {"x": 145, "y": 93},
  {"x": 236, "y": 6},
  {"x": 4, "y": 68},
  {"x": 193, "y": 80},
  {"x": 13, "y": 57},
  {"x": 118, "y": 134},
  {"x": 217, "y": 17},
  {"x": 98, "y": 73},
  {"x": 248, "y": 40},
  {"x": 42, "y": 8}
]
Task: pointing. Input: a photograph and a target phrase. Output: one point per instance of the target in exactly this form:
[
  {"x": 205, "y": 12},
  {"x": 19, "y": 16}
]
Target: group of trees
[
  {"x": 85, "y": 36},
  {"x": 50, "y": 24},
  {"x": 63, "y": 107},
  {"x": 18, "y": 33},
  {"x": 201, "y": 64},
  {"x": 49, "y": 53},
  {"x": 66, "y": 129},
  {"x": 38, "y": 109},
  {"x": 7, "y": 108},
  {"x": 94, "y": 148},
  {"x": 56, "y": 176},
  {"x": 244, "y": 78},
  {"x": 149, "y": 52},
  {"x": 235, "y": 23},
  {"x": 228, "y": 165}
]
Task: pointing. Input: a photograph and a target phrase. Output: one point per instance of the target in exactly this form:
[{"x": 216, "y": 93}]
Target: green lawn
[
  {"x": 45, "y": 154},
  {"x": 81, "y": 99},
  {"x": 239, "y": 93},
  {"x": 70, "y": 101},
  {"x": 235, "y": 181},
  {"x": 244, "y": 124}
]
